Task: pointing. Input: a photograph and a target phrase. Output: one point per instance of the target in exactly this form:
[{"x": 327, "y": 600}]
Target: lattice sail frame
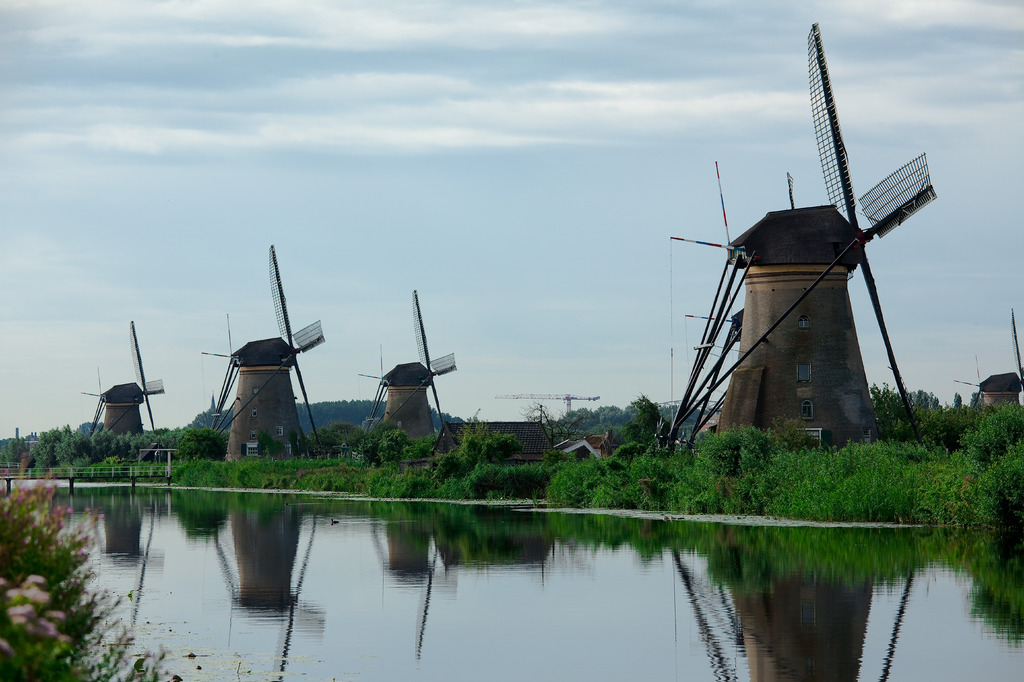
[
  {"x": 905, "y": 192},
  {"x": 1016, "y": 347},
  {"x": 280, "y": 303},
  {"x": 827, "y": 133},
  {"x": 421, "y": 337},
  {"x": 443, "y": 365}
]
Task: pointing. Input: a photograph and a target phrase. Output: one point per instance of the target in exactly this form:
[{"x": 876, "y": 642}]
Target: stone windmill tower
[
  {"x": 405, "y": 387},
  {"x": 265, "y": 401},
  {"x": 810, "y": 368}
]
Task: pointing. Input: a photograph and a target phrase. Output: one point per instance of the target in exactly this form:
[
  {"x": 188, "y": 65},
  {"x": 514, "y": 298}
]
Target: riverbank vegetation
[
  {"x": 969, "y": 470},
  {"x": 778, "y": 472},
  {"x": 52, "y": 626}
]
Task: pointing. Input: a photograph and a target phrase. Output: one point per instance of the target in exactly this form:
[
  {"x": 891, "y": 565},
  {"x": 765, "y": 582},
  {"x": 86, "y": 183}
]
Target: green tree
[
  {"x": 202, "y": 444},
  {"x": 269, "y": 447},
  {"x": 890, "y": 414},
  {"x": 646, "y": 423},
  {"x": 340, "y": 437}
]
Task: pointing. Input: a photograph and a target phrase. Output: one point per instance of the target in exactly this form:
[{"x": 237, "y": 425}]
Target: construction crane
[{"x": 568, "y": 398}]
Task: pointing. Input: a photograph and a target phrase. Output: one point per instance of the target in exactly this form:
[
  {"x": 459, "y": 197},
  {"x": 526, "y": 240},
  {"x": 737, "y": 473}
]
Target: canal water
[{"x": 267, "y": 586}]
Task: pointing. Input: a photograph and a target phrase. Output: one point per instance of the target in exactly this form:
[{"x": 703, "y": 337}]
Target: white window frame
[{"x": 252, "y": 449}]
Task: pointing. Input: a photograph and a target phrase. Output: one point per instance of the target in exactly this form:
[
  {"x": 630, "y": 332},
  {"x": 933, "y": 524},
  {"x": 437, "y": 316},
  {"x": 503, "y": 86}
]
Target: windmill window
[
  {"x": 254, "y": 411},
  {"x": 867, "y": 435},
  {"x": 252, "y": 449},
  {"x": 252, "y": 433},
  {"x": 803, "y": 323},
  {"x": 807, "y": 409},
  {"x": 255, "y": 390},
  {"x": 288, "y": 449},
  {"x": 803, "y": 371},
  {"x": 280, "y": 431}
]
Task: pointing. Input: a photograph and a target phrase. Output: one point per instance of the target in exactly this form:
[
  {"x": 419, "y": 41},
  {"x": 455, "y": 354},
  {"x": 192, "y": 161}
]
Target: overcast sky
[{"x": 521, "y": 164}]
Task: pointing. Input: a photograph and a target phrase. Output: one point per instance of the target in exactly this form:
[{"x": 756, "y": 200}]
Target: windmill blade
[
  {"x": 421, "y": 337},
  {"x": 96, "y": 417},
  {"x": 141, "y": 376},
  {"x": 284, "y": 325},
  {"x": 905, "y": 192},
  {"x": 421, "y": 345},
  {"x": 869, "y": 280},
  {"x": 309, "y": 337},
  {"x": 1016, "y": 348},
  {"x": 443, "y": 365},
  {"x": 305, "y": 398},
  {"x": 836, "y": 168},
  {"x": 154, "y": 387},
  {"x": 225, "y": 393},
  {"x": 834, "y": 162}
]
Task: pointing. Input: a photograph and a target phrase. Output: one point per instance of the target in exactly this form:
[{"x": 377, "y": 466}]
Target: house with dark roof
[{"x": 529, "y": 434}]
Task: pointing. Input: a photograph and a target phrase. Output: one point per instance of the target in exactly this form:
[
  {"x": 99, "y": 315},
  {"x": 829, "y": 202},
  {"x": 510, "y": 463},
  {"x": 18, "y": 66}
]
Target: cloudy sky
[{"x": 521, "y": 164}]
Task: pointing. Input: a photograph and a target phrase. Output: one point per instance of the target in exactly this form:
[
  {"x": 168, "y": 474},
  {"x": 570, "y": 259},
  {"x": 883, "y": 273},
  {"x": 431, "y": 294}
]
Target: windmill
[
  {"x": 119, "y": 404},
  {"x": 265, "y": 401},
  {"x": 1004, "y": 388},
  {"x": 402, "y": 391},
  {"x": 786, "y": 257}
]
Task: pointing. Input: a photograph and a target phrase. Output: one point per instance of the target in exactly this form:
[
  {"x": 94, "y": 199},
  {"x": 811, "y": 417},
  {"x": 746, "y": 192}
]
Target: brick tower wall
[
  {"x": 274, "y": 407},
  {"x": 121, "y": 418},
  {"x": 408, "y": 407},
  {"x": 766, "y": 386}
]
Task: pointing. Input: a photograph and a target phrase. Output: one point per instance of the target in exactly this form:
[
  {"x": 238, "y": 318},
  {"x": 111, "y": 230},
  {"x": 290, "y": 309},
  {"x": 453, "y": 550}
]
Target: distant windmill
[
  {"x": 1004, "y": 388},
  {"x": 402, "y": 391},
  {"x": 265, "y": 402},
  {"x": 119, "y": 404},
  {"x": 790, "y": 254}
]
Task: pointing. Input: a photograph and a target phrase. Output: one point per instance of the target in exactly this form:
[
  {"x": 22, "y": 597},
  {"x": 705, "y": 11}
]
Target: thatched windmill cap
[
  {"x": 408, "y": 374},
  {"x": 805, "y": 236},
  {"x": 124, "y": 394},
  {"x": 265, "y": 353},
  {"x": 1001, "y": 383}
]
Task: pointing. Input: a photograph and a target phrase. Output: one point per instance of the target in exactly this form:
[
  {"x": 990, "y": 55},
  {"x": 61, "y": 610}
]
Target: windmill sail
[
  {"x": 443, "y": 365},
  {"x": 154, "y": 387},
  {"x": 836, "y": 168},
  {"x": 1016, "y": 348},
  {"x": 309, "y": 337},
  {"x": 905, "y": 192},
  {"x": 834, "y": 162}
]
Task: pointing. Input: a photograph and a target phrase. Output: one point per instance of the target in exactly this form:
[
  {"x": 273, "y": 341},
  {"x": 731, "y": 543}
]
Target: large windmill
[
  {"x": 265, "y": 401},
  {"x": 402, "y": 391},
  {"x": 799, "y": 261},
  {"x": 120, "y": 404}
]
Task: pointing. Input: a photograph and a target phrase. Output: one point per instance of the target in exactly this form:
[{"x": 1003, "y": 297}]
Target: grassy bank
[{"x": 743, "y": 471}]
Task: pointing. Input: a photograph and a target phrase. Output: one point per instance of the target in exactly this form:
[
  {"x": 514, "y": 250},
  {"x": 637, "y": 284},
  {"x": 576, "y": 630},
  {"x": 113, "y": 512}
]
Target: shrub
[
  {"x": 997, "y": 432},
  {"x": 1002, "y": 489},
  {"x": 736, "y": 451},
  {"x": 51, "y": 625},
  {"x": 202, "y": 444}
]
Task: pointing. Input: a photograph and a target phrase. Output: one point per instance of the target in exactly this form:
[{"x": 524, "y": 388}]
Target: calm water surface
[{"x": 281, "y": 586}]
